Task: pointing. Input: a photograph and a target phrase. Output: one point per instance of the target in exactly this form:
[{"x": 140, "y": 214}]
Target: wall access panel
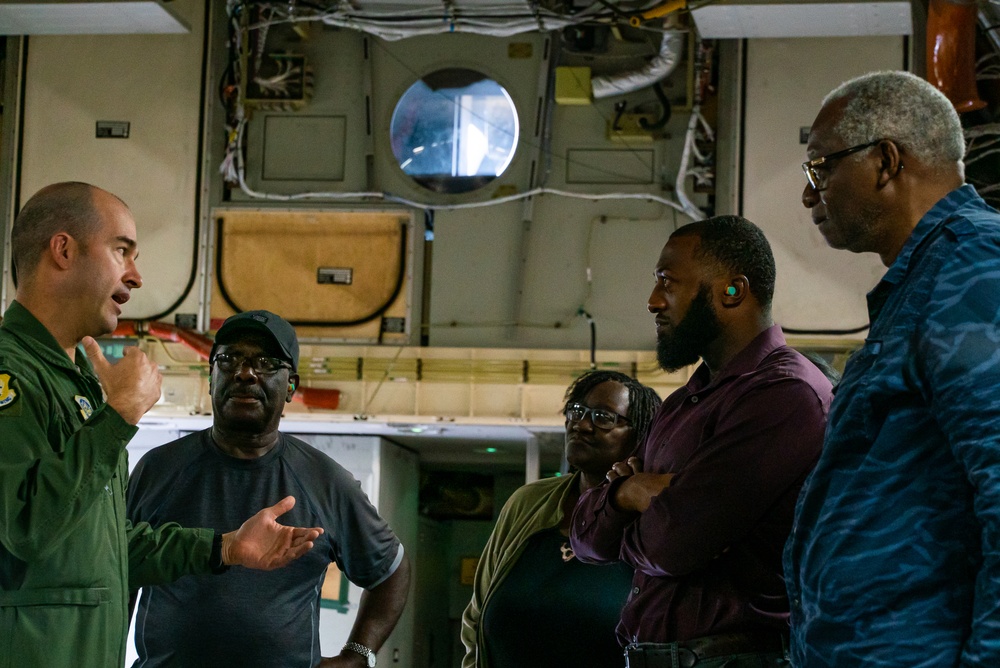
[
  {"x": 153, "y": 83},
  {"x": 817, "y": 288}
]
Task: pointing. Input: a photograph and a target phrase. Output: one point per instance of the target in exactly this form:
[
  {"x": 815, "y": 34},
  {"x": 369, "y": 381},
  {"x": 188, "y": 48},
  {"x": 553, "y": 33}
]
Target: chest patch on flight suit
[
  {"x": 8, "y": 396},
  {"x": 86, "y": 410}
]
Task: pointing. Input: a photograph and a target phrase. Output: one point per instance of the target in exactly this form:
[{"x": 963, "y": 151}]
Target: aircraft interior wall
[
  {"x": 513, "y": 283},
  {"x": 517, "y": 274}
]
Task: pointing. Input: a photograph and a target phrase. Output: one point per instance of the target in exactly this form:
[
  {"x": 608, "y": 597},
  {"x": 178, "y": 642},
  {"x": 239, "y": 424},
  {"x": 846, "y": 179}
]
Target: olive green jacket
[
  {"x": 535, "y": 507},
  {"x": 67, "y": 554}
]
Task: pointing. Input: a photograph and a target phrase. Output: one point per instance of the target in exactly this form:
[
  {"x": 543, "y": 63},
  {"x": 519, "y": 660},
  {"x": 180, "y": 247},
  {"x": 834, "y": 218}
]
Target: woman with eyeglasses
[{"x": 533, "y": 603}]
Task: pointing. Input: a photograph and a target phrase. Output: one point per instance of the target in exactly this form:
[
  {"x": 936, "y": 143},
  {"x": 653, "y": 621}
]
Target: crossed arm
[
  {"x": 672, "y": 523},
  {"x": 639, "y": 489}
]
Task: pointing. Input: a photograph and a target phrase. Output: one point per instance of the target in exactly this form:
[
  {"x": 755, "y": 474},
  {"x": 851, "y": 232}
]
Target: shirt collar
[
  {"x": 931, "y": 220},
  {"x": 20, "y": 323},
  {"x": 743, "y": 362}
]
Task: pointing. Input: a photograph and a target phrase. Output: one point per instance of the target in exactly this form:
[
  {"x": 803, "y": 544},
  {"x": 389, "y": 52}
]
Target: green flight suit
[{"x": 68, "y": 556}]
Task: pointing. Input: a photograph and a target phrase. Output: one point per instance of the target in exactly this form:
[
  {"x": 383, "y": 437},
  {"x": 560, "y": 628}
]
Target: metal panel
[
  {"x": 337, "y": 61},
  {"x": 397, "y": 65},
  {"x": 304, "y": 148},
  {"x": 154, "y": 82},
  {"x": 817, "y": 287},
  {"x": 609, "y": 166}
]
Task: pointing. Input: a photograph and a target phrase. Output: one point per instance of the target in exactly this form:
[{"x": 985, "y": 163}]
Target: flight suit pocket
[
  {"x": 56, "y": 626},
  {"x": 55, "y": 596}
]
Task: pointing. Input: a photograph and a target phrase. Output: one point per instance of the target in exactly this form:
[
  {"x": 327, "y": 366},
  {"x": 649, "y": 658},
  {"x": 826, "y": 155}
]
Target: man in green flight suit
[{"x": 68, "y": 557}]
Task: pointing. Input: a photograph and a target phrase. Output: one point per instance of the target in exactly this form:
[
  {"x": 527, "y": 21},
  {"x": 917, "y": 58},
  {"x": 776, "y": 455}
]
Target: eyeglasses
[
  {"x": 600, "y": 419},
  {"x": 262, "y": 365},
  {"x": 817, "y": 179}
]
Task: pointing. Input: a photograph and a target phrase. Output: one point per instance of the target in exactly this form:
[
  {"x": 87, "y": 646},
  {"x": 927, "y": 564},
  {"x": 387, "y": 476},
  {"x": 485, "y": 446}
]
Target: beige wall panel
[
  {"x": 153, "y": 82},
  {"x": 478, "y": 270},
  {"x": 817, "y": 287}
]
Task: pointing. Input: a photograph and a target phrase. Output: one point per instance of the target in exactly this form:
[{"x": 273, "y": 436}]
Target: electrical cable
[
  {"x": 661, "y": 122},
  {"x": 593, "y": 336},
  {"x": 198, "y": 175}
]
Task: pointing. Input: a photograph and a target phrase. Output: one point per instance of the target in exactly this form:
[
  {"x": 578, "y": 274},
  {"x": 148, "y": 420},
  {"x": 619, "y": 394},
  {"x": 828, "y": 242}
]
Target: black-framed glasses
[
  {"x": 262, "y": 365},
  {"x": 600, "y": 418},
  {"x": 817, "y": 178}
]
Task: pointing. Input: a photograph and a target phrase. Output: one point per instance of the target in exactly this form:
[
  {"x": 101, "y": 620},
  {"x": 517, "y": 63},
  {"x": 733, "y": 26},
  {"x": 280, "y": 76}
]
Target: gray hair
[{"x": 904, "y": 108}]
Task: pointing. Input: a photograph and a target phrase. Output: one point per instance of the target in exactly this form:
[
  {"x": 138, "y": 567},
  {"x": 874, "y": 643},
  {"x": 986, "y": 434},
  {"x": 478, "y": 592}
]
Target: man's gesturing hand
[
  {"x": 264, "y": 544},
  {"x": 132, "y": 385}
]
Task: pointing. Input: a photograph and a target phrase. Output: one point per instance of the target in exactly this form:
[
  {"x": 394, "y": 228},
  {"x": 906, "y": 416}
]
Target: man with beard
[
  {"x": 703, "y": 511},
  {"x": 895, "y": 557},
  {"x": 244, "y": 618}
]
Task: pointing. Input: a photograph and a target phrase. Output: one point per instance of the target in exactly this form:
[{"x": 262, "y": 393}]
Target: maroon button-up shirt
[{"x": 707, "y": 552}]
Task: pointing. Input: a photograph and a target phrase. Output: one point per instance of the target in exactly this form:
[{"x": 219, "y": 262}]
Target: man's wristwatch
[{"x": 366, "y": 652}]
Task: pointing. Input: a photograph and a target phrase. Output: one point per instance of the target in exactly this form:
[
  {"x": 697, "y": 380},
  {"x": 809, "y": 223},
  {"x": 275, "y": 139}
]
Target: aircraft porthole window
[{"x": 454, "y": 130}]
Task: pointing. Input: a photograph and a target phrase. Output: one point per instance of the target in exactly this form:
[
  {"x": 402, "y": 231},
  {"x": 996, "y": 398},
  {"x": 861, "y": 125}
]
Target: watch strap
[
  {"x": 215, "y": 557},
  {"x": 366, "y": 652}
]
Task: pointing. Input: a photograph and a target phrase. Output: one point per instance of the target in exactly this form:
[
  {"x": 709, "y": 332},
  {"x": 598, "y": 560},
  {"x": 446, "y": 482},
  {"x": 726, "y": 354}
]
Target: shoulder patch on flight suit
[
  {"x": 8, "y": 395},
  {"x": 86, "y": 410}
]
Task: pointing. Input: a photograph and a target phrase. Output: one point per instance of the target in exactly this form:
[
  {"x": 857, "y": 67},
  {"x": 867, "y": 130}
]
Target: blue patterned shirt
[{"x": 895, "y": 555}]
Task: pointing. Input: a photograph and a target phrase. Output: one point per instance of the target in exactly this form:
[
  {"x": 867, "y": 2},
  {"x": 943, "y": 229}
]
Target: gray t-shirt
[{"x": 244, "y": 617}]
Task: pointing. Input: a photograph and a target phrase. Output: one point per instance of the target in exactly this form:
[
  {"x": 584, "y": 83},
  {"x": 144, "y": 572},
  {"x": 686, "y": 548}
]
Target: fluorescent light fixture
[
  {"x": 87, "y": 18},
  {"x": 418, "y": 429},
  {"x": 747, "y": 18}
]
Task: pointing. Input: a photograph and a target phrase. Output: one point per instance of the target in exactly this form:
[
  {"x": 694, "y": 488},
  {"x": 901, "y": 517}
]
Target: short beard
[{"x": 686, "y": 342}]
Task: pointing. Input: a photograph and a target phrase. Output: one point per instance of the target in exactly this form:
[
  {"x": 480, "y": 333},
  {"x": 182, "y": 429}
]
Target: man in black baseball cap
[
  {"x": 242, "y": 461},
  {"x": 270, "y": 324}
]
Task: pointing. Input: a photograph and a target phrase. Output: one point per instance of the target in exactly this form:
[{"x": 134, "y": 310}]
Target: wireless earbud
[
  {"x": 731, "y": 290},
  {"x": 291, "y": 387}
]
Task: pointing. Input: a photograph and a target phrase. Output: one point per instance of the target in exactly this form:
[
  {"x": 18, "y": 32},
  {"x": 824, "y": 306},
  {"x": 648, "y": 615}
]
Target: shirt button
[
  {"x": 635, "y": 590},
  {"x": 694, "y": 400}
]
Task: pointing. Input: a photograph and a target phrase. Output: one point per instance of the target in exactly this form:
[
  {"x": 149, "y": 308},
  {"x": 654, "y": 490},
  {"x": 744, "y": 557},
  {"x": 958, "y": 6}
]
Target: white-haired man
[{"x": 895, "y": 556}]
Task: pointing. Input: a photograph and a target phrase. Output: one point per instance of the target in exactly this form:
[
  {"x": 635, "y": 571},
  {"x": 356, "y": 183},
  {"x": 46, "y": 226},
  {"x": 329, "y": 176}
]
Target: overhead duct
[
  {"x": 657, "y": 69},
  {"x": 54, "y": 17}
]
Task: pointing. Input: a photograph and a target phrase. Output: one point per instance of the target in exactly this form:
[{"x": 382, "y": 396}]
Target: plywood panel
[{"x": 278, "y": 260}]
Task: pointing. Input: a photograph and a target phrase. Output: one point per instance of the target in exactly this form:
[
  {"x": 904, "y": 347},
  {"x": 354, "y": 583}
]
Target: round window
[{"x": 454, "y": 130}]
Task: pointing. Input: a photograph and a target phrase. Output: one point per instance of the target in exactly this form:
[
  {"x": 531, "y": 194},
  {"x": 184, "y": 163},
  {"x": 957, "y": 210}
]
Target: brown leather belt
[{"x": 687, "y": 654}]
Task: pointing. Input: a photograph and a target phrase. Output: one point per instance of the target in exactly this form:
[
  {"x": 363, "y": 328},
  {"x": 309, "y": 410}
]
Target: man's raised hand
[{"x": 132, "y": 385}]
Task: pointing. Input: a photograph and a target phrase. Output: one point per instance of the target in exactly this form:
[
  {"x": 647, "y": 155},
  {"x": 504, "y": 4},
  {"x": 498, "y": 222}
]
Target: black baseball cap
[{"x": 265, "y": 322}]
